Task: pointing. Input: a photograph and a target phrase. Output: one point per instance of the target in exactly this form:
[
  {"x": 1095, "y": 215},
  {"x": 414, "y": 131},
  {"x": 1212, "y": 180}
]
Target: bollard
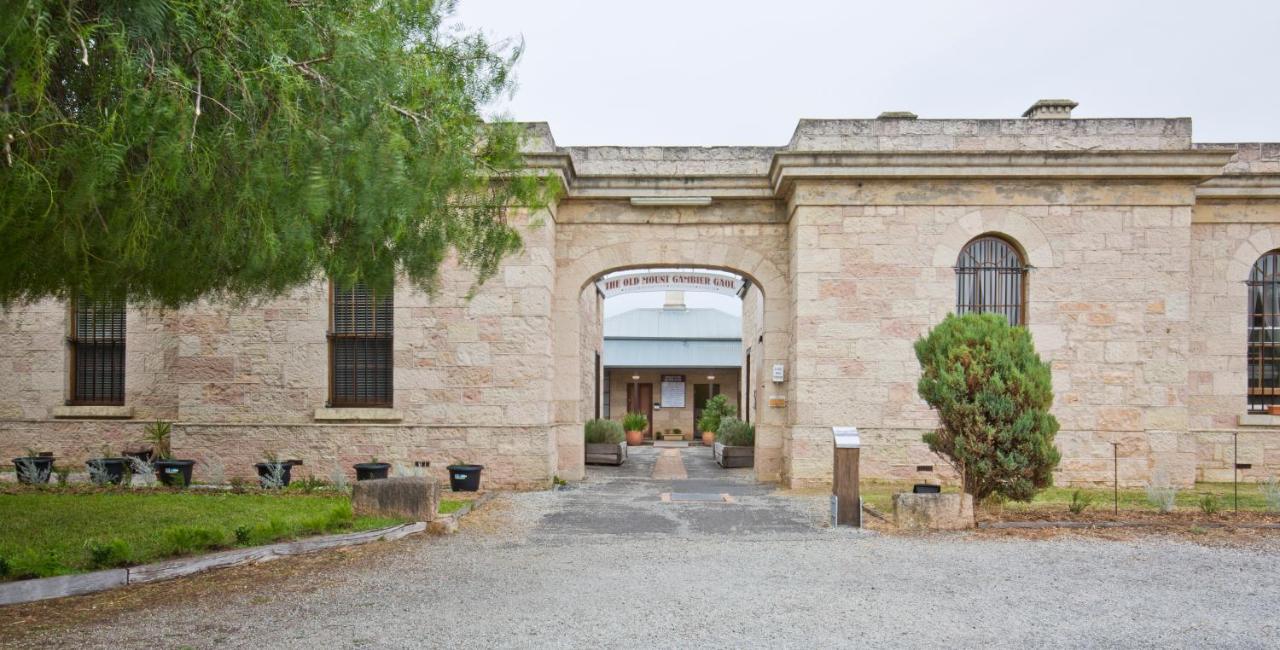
[{"x": 846, "y": 503}]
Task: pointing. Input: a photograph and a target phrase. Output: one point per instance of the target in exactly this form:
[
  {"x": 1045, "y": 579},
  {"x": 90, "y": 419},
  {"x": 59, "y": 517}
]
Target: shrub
[
  {"x": 735, "y": 432},
  {"x": 1209, "y": 504},
  {"x": 635, "y": 422},
  {"x": 98, "y": 473},
  {"x": 603, "y": 431},
  {"x": 992, "y": 393},
  {"x": 31, "y": 472},
  {"x": 110, "y": 553},
  {"x": 1160, "y": 494},
  {"x": 182, "y": 540},
  {"x": 716, "y": 409},
  {"x": 1080, "y": 502},
  {"x": 1271, "y": 492},
  {"x": 242, "y": 535},
  {"x": 158, "y": 434},
  {"x": 4, "y": 567}
]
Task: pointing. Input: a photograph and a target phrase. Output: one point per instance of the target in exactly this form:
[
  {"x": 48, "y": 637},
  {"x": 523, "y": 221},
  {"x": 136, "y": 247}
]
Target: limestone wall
[{"x": 1108, "y": 306}]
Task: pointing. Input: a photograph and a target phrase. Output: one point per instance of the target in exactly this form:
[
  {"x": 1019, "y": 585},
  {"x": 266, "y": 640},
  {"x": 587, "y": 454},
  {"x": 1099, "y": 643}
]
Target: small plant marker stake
[{"x": 1115, "y": 480}]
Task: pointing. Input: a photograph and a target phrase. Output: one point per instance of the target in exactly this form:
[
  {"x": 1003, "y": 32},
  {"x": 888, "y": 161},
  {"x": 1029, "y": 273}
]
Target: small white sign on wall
[
  {"x": 778, "y": 374},
  {"x": 672, "y": 391}
]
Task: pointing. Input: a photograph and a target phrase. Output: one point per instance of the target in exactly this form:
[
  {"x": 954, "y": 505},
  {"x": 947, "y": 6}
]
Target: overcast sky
[{"x": 732, "y": 72}]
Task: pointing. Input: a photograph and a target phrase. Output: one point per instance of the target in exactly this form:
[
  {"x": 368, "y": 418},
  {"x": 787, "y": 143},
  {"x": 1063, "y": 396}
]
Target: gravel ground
[{"x": 609, "y": 564}]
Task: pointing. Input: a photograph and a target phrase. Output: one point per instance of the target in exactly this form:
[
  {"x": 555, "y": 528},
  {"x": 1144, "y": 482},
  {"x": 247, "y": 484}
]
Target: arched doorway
[{"x": 576, "y": 332}]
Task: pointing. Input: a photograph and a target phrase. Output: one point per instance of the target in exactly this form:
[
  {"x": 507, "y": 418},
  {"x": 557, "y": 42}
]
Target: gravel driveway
[{"x": 610, "y": 564}]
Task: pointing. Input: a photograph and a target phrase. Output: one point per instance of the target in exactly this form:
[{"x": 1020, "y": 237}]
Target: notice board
[{"x": 672, "y": 391}]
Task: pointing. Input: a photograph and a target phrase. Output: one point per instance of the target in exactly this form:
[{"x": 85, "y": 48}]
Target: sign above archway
[{"x": 640, "y": 281}]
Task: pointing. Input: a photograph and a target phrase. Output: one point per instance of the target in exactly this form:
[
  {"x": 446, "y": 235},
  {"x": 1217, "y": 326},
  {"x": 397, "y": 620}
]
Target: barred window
[
  {"x": 360, "y": 330},
  {"x": 991, "y": 277},
  {"x": 96, "y": 341},
  {"x": 1264, "y": 332}
]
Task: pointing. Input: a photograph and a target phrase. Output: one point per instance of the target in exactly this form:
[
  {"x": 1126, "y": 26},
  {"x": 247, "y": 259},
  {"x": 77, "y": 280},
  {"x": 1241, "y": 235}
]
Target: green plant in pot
[
  {"x": 604, "y": 442},
  {"x": 273, "y": 474},
  {"x": 716, "y": 409},
  {"x": 170, "y": 471},
  {"x": 635, "y": 424},
  {"x": 34, "y": 468},
  {"x": 108, "y": 468},
  {"x": 735, "y": 443}
]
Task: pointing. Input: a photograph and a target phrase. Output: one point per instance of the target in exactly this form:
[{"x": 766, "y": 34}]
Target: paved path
[{"x": 608, "y": 563}]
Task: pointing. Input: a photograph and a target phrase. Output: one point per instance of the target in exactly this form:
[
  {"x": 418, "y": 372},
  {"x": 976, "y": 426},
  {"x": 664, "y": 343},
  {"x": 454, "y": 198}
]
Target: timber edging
[{"x": 25, "y": 591}]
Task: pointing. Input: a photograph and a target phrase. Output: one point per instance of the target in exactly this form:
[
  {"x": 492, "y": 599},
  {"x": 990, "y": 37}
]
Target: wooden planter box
[
  {"x": 727, "y": 456},
  {"x": 606, "y": 453}
]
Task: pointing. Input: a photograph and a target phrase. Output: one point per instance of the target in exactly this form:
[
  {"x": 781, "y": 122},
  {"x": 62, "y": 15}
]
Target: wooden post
[{"x": 845, "y": 487}]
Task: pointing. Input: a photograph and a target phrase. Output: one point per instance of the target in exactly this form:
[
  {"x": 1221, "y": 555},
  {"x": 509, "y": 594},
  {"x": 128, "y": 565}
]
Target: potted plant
[
  {"x": 273, "y": 474},
  {"x": 169, "y": 470},
  {"x": 635, "y": 424},
  {"x": 107, "y": 469},
  {"x": 716, "y": 409},
  {"x": 371, "y": 470},
  {"x": 464, "y": 477},
  {"x": 735, "y": 443},
  {"x": 33, "y": 469},
  {"x": 605, "y": 442}
]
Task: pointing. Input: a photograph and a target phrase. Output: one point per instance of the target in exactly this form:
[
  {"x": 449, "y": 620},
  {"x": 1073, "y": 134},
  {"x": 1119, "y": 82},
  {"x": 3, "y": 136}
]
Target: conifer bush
[{"x": 992, "y": 393}]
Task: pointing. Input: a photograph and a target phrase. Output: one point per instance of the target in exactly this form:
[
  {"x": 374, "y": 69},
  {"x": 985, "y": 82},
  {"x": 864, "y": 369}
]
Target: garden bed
[{"x": 51, "y": 532}]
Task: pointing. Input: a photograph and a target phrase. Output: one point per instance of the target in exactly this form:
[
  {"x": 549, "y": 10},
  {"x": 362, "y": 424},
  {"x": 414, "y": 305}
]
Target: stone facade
[{"x": 1139, "y": 242}]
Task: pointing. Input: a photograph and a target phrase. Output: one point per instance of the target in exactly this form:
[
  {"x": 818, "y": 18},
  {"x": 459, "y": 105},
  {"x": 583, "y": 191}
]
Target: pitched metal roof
[
  {"x": 672, "y": 353},
  {"x": 658, "y": 323},
  {"x": 667, "y": 338}
]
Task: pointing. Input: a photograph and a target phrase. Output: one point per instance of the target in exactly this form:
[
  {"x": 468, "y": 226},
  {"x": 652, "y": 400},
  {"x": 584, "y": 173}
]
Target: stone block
[
  {"x": 414, "y": 497},
  {"x": 933, "y": 511}
]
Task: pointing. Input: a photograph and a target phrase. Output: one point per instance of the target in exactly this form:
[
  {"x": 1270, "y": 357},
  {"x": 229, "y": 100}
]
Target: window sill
[
  {"x": 1258, "y": 420},
  {"x": 86, "y": 412},
  {"x": 358, "y": 415}
]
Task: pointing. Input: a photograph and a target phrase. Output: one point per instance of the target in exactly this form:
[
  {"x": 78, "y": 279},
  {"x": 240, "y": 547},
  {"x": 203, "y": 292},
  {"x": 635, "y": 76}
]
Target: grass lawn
[
  {"x": 53, "y": 532},
  {"x": 880, "y": 495},
  {"x": 448, "y": 506}
]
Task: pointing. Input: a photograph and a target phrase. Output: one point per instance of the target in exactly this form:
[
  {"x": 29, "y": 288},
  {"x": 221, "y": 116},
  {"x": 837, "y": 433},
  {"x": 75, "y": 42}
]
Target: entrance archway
[{"x": 575, "y": 360}]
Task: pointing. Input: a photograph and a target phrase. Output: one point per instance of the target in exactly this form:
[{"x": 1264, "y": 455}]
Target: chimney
[
  {"x": 1050, "y": 109},
  {"x": 897, "y": 115},
  {"x": 675, "y": 300}
]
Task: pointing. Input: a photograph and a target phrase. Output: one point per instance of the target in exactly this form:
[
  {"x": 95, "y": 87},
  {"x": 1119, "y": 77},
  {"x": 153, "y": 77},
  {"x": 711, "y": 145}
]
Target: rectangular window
[
  {"x": 608, "y": 393},
  {"x": 96, "y": 341},
  {"x": 360, "y": 356}
]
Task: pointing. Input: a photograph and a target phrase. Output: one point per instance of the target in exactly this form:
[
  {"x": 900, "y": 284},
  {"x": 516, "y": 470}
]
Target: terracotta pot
[
  {"x": 708, "y": 438},
  {"x": 635, "y": 438}
]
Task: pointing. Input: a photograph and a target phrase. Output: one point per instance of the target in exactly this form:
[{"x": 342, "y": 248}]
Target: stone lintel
[
  {"x": 85, "y": 412},
  {"x": 358, "y": 415}
]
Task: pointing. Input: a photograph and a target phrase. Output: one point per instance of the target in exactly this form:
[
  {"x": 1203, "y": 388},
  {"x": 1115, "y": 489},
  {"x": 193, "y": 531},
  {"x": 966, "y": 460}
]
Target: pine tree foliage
[
  {"x": 992, "y": 393},
  {"x": 168, "y": 150}
]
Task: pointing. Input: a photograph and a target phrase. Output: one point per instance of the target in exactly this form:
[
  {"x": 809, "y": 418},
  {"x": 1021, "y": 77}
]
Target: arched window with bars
[
  {"x": 1264, "y": 332},
  {"x": 991, "y": 277}
]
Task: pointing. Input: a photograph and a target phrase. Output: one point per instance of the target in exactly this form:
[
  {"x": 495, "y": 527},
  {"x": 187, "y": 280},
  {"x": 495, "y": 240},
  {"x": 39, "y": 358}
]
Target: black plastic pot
[
  {"x": 43, "y": 465},
  {"x": 114, "y": 467},
  {"x": 925, "y": 488},
  {"x": 265, "y": 469},
  {"x": 174, "y": 473},
  {"x": 370, "y": 471},
  {"x": 464, "y": 478}
]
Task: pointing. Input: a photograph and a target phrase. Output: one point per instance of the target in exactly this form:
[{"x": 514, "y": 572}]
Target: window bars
[
  {"x": 1264, "y": 333},
  {"x": 96, "y": 340},
  {"x": 360, "y": 354},
  {"x": 991, "y": 277}
]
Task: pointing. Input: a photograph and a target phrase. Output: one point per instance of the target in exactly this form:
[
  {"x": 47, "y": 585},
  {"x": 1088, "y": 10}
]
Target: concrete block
[
  {"x": 933, "y": 511},
  {"x": 414, "y": 497}
]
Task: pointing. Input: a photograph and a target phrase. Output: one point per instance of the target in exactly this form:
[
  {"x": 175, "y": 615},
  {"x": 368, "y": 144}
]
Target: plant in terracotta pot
[
  {"x": 605, "y": 444},
  {"x": 716, "y": 409},
  {"x": 635, "y": 424}
]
